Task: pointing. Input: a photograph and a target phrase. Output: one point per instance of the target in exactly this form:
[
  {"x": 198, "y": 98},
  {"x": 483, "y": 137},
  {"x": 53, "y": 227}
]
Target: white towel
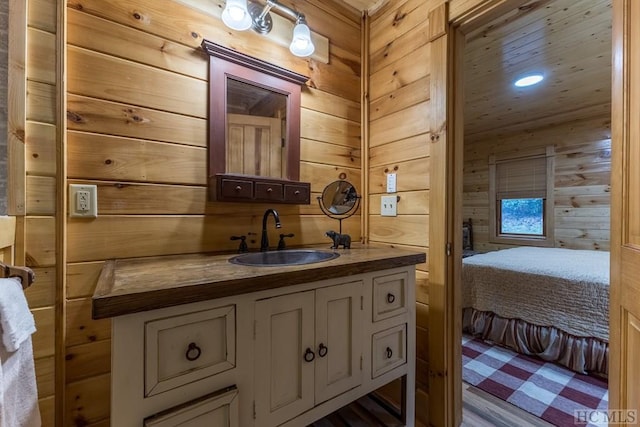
[
  {"x": 18, "y": 390},
  {"x": 16, "y": 319}
]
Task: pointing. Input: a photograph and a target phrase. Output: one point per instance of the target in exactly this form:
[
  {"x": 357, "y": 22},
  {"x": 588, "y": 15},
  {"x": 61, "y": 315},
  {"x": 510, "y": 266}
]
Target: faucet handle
[
  {"x": 243, "y": 244},
  {"x": 281, "y": 244}
]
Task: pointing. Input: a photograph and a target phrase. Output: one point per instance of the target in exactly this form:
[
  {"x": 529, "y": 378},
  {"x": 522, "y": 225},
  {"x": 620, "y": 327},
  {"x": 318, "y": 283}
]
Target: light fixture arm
[
  {"x": 282, "y": 8},
  {"x": 262, "y": 22}
]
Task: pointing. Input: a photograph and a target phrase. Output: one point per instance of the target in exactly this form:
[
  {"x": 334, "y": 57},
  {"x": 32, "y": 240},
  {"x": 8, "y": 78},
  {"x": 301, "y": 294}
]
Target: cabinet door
[
  {"x": 283, "y": 378},
  {"x": 338, "y": 340}
]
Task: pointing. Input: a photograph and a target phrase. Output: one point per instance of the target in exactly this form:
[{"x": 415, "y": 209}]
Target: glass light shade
[
  {"x": 301, "y": 44},
  {"x": 236, "y": 16}
]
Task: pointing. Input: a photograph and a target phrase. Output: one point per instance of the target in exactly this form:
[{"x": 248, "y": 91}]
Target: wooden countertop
[{"x": 133, "y": 285}]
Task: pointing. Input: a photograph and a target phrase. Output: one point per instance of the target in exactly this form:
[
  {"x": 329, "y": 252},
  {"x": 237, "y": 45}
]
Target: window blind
[{"x": 521, "y": 178}]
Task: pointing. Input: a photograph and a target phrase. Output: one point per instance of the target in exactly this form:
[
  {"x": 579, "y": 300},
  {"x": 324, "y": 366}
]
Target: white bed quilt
[{"x": 565, "y": 288}]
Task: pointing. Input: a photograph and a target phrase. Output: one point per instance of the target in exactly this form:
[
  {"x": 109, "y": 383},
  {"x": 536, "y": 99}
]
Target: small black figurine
[{"x": 339, "y": 239}]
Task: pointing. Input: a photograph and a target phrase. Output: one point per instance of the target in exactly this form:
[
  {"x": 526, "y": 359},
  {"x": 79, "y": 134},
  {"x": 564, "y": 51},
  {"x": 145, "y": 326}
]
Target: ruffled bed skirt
[{"x": 580, "y": 354}]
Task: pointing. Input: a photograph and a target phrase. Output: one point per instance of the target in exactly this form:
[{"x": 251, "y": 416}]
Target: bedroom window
[{"x": 521, "y": 193}]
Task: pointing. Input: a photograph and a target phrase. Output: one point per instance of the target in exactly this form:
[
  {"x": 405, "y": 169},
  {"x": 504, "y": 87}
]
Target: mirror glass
[
  {"x": 256, "y": 130},
  {"x": 339, "y": 197}
]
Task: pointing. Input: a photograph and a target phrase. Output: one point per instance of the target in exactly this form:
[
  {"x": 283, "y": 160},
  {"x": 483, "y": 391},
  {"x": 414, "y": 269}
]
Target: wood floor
[
  {"x": 364, "y": 412},
  {"x": 480, "y": 409}
]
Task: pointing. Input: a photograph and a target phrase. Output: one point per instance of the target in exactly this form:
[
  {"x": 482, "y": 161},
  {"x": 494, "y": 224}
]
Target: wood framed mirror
[{"x": 254, "y": 129}]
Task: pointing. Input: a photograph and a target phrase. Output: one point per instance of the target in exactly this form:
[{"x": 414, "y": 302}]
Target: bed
[{"x": 548, "y": 302}]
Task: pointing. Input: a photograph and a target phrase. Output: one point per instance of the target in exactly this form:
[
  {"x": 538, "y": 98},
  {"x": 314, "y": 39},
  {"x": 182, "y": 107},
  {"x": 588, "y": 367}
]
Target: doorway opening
[{"x": 536, "y": 185}]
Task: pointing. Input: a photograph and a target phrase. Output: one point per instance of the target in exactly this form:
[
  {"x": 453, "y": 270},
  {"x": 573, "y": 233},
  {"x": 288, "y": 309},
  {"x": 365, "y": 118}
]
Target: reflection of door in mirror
[
  {"x": 254, "y": 146},
  {"x": 256, "y": 118}
]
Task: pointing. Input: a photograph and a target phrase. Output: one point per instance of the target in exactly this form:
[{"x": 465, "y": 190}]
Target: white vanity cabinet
[{"x": 285, "y": 356}]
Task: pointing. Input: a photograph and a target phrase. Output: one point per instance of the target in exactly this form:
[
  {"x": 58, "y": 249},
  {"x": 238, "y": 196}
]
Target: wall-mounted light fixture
[{"x": 241, "y": 15}]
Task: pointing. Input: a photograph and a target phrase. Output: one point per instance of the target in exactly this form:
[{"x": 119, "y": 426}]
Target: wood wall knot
[
  {"x": 75, "y": 117},
  {"x": 108, "y": 162},
  {"x": 19, "y": 134},
  {"x": 398, "y": 18}
]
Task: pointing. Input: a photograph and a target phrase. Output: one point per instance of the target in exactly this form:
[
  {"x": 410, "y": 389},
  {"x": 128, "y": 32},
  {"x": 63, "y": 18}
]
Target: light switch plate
[
  {"x": 389, "y": 206},
  {"x": 83, "y": 201},
  {"x": 391, "y": 183}
]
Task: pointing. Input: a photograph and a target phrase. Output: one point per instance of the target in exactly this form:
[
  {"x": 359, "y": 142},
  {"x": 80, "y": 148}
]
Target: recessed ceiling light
[{"x": 529, "y": 80}]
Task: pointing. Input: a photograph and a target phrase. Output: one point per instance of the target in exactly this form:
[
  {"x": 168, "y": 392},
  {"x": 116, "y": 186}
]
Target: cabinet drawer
[
  {"x": 389, "y": 296},
  {"x": 297, "y": 193},
  {"x": 185, "y": 348},
  {"x": 236, "y": 189},
  {"x": 389, "y": 350},
  {"x": 268, "y": 191},
  {"x": 219, "y": 409}
]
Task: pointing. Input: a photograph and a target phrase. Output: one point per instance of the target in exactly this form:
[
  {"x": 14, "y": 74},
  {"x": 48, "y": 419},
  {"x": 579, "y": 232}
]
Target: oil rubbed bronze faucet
[{"x": 264, "y": 242}]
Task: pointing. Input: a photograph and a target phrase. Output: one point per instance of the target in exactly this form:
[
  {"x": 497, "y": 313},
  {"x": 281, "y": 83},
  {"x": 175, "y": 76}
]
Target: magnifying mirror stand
[{"x": 339, "y": 217}]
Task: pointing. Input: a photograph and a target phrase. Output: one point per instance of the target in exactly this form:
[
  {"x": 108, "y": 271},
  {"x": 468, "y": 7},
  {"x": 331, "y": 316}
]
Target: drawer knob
[
  {"x": 389, "y": 353},
  {"x": 193, "y": 352},
  {"x": 391, "y": 298},
  {"x": 269, "y": 190},
  {"x": 297, "y": 192},
  {"x": 322, "y": 350},
  {"x": 309, "y": 355},
  {"x": 238, "y": 188}
]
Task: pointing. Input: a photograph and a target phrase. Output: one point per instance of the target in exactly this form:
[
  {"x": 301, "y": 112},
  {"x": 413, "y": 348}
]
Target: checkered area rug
[{"x": 546, "y": 390}]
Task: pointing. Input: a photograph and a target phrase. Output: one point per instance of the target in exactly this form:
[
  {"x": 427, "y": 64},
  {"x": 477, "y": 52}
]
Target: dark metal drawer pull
[
  {"x": 389, "y": 352},
  {"x": 391, "y": 298},
  {"x": 322, "y": 350},
  {"x": 309, "y": 355},
  {"x": 193, "y": 352}
]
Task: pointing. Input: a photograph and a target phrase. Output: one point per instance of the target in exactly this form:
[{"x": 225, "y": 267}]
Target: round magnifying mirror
[{"x": 339, "y": 197}]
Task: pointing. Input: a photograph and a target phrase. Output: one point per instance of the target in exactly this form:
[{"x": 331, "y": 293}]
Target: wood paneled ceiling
[
  {"x": 368, "y": 5},
  {"x": 568, "y": 41}
]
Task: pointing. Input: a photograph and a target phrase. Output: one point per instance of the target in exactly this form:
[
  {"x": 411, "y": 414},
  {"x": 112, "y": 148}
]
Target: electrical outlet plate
[
  {"x": 389, "y": 206},
  {"x": 83, "y": 201}
]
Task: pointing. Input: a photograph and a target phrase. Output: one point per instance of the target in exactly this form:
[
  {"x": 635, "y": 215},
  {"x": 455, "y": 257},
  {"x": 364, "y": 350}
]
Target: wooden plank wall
[
  {"x": 582, "y": 180},
  {"x": 137, "y": 102},
  {"x": 137, "y": 110},
  {"x": 399, "y": 108},
  {"x": 41, "y": 174}
]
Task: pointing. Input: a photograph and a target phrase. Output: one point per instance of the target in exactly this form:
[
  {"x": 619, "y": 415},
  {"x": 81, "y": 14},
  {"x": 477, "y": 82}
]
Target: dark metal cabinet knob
[
  {"x": 309, "y": 355},
  {"x": 391, "y": 298},
  {"x": 389, "y": 353},
  {"x": 322, "y": 350},
  {"x": 193, "y": 352}
]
